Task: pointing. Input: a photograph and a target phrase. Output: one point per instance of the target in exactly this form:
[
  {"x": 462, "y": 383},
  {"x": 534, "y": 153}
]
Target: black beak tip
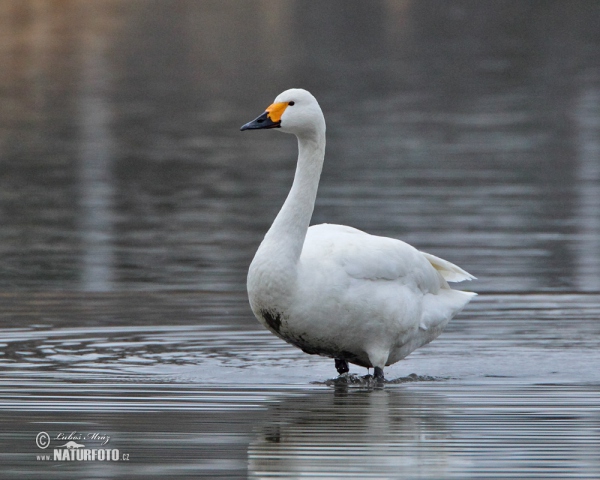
[
  {"x": 262, "y": 121},
  {"x": 250, "y": 125}
]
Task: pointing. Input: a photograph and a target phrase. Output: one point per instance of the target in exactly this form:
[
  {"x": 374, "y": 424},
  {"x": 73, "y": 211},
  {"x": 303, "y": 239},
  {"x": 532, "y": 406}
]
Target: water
[
  {"x": 131, "y": 206},
  {"x": 510, "y": 389}
]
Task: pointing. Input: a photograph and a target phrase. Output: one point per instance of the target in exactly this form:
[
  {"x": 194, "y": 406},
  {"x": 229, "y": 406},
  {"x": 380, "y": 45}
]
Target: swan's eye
[{"x": 291, "y": 104}]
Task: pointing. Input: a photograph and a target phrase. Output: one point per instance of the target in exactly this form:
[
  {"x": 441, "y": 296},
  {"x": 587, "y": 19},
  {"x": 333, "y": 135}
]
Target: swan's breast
[{"x": 272, "y": 319}]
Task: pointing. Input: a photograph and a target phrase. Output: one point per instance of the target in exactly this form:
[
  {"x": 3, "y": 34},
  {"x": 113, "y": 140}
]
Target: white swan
[{"x": 334, "y": 290}]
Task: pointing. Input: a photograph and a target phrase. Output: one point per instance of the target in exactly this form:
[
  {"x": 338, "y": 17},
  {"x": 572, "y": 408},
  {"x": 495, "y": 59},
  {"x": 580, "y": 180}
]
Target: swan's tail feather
[{"x": 449, "y": 271}]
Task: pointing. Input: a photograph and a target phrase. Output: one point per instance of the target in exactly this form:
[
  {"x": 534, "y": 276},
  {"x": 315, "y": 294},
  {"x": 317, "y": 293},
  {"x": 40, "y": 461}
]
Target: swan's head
[{"x": 293, "y": 111}]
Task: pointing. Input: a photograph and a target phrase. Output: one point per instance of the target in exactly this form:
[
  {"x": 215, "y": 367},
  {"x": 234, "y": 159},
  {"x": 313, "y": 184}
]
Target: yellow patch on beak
[{"x": 275, "y": 111}]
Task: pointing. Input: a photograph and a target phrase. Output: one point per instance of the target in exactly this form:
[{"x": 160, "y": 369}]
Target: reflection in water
[
  {"x": 587, "y": 118},
  {"x": 96, "y": 183},
  {"x": 432, "y": 432},
  {"x": 352, "y": 433}
]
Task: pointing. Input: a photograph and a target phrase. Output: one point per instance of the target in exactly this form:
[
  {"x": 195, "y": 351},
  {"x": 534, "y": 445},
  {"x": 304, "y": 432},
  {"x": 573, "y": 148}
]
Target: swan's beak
[
  {"x": 262, "y": 121},
  {"x": 270, "y": 119}
]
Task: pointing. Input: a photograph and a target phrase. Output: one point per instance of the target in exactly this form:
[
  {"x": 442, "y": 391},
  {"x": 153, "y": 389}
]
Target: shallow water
[
  {"x": 510, "y": 389},
  {"x": 131, "y": 206}
]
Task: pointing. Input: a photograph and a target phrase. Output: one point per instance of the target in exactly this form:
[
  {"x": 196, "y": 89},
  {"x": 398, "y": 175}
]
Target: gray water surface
[
  {"x": 131, "y": 207},
  {"x": 511, "y": 389}
]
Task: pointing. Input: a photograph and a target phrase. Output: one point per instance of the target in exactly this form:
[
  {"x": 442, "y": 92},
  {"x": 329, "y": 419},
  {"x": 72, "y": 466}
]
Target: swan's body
[{"x": 334, "y": 290}]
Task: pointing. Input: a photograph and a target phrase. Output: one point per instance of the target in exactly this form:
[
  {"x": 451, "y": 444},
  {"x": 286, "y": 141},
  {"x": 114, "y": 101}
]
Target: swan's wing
[
  {"x": 385, "y": 278},
  {"x": 369, "y": 257}
]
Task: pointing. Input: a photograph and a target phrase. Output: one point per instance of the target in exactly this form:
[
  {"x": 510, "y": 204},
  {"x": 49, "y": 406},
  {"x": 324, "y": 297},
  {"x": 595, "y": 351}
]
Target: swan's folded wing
[{"x": 369, "y": 257}]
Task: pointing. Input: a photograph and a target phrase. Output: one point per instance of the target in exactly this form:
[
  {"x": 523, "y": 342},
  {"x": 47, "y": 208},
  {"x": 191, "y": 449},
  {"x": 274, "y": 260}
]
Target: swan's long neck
[
  {"x": 286, "y": 236},
  {"x": 273, "y": 274}
]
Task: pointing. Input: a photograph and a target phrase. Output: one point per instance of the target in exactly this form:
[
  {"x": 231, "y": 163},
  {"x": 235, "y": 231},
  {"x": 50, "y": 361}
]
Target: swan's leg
[
  {"x": 341, "y": 365},
  {"x": 378, "y": 356}
]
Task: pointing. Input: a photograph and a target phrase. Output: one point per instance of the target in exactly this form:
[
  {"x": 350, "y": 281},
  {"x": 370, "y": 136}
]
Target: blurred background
[
  {"x": 469, "y": 129},
  {"x": 131, "y": 206}
]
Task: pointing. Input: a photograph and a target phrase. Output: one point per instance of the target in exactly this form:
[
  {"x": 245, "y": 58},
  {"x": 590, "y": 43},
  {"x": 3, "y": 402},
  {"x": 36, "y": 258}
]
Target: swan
[{"x": 336, "y": 291}]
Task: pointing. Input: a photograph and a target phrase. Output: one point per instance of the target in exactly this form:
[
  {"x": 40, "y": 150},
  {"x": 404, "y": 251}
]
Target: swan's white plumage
[{"x": 335, "y": 290}]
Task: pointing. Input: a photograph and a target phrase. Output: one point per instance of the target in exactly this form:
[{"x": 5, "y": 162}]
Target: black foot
[
  {"x": 378, "y": 373},
  {"x": 341, "y": 366}
]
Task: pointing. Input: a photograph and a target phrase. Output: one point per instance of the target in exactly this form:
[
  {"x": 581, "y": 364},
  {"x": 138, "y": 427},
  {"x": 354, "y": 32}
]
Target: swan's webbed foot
[
  {"x": 341, "y": 366},
  {"x": 378, "y": 373}
]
